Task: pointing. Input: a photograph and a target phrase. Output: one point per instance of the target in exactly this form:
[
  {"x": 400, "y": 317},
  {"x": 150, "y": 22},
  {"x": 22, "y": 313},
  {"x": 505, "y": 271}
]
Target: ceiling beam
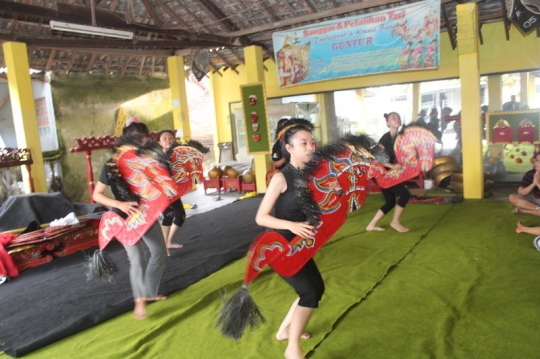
[
  {"x": 220, "y": 15},
  {"x": 152, "y": 13},
  {"x": 82, "y": 15},
  {"x": 109, "y": 43},
  {"x": 312, "y": 17}
]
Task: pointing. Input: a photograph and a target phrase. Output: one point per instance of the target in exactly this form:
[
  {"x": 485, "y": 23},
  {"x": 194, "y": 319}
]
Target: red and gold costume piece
[
  {"x": 338, "y": 186},
  {"x": 415, "y": 150}
]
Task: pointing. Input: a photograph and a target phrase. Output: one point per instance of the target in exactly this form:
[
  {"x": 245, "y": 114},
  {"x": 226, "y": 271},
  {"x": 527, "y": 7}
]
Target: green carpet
[{"x": 460, "y": 284}]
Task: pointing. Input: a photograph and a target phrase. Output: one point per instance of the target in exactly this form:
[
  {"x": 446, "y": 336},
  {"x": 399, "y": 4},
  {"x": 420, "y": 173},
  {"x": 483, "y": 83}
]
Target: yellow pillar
[
  {"x": 24, "y": 113},
  {"x": 416, "y": 101},
  {"x": 255, "y": 74},
  {"x": 523, "y": 89},
  {"x": 531, "y": 92},
  {"x": 361, "y": 103},
  {"x": 494, "y": 93},
  {"x": 471, "y": 124},
  {"x": 180, "y": 109}
]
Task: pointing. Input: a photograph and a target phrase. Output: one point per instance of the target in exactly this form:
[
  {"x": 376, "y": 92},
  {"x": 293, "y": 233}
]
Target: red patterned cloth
[{"x": 7, "y": 267}]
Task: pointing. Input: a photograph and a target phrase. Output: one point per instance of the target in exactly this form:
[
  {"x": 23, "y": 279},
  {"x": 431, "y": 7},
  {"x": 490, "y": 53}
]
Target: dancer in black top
[
  {"x": 398, "y": 193},
  {"x": 281, "y": 198}
]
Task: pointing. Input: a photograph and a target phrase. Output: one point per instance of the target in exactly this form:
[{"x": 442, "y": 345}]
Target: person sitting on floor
[
  {"x": 527, "y": 200},
  {"x": 535, "y": 231}
]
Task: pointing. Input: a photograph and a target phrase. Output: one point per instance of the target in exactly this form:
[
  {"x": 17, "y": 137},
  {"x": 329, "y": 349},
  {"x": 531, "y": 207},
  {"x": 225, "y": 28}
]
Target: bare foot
[
  {"x": 374, "y": 228},
  {"x": 174, "y": 245},
  {"x": 157, "y": 298},
  {"x": 139, "y": 312},
  {"x": 398, "y": 227},
  {"x": 285, "y": 336},
  {"x": 516, "y": 210},
  {"x": 519, "y": 228},
  {"x": 293, "y": 354}
]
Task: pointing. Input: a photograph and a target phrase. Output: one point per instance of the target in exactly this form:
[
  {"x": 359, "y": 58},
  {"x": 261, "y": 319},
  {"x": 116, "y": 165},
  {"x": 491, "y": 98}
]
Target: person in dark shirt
[
  {"x": 511, "y": 105},
  {"x": 281, "y": 210},
  {"x": 145, "y": 275},
  {"x": 396, "y": 196},
  {"x": 527, "y": 200}
]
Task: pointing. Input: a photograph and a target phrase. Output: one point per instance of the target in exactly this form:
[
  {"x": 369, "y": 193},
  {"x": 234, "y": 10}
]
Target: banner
[{"x": 398, "y": 39}]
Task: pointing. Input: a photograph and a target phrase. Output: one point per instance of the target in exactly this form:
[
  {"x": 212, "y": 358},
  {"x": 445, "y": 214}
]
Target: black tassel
[
  {"x": 99, "y": 266},
  {"x": 238, "y": 313}
]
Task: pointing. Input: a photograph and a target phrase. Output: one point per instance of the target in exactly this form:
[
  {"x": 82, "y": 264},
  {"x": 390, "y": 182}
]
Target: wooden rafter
[
  {"x": 449, "y": 27},
  {"x": 129, "y": 12},
  {"x": 171, "y": 13},
  {"x": 270, "y": 11},
  {"x": 109, "y": 62},
  {"x": 310, "y": 5},
  {"x": 71, "y": 61},
  {"x": 91, "y": 63},
  {"x": 150, "y": 8},
  {"x": 141, "y": 68},
  {"x": 126, "y": 63},
  {"x": 220, "y": 15},
  {"x": 312, "y": 17},
  {"x": 507, "y": 23},
  {"x": 226, "y": 62},
  {"x": 480, "y": 37},
  {"x": 51, "y": 60}
]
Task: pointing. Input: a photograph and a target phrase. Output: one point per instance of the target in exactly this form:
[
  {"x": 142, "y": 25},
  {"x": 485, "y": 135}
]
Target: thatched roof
[{"x": 191, "y": 28}]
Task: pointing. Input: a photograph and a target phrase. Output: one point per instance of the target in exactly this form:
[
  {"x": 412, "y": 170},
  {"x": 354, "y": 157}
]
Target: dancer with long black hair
[{"x": 281, "y": 210}]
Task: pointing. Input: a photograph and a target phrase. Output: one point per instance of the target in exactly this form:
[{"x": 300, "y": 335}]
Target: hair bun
[{"x": 386, "y": 116}]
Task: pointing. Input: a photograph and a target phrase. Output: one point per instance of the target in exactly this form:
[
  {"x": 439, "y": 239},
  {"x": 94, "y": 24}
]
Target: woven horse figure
[
  {"x": 149, "y": 182},
  {"x": 334, "y": 182},
  {"x": 414, "y": 149}
]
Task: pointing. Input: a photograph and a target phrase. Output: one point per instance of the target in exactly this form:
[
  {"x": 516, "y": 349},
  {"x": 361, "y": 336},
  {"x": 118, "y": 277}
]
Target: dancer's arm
[
  {"x": 100, "y": 197},
  {"x": 264, "y": 217}
]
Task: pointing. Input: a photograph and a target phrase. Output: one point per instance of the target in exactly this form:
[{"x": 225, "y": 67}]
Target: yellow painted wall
[
  {"x": 496, "y": 55},
  {"x": 225, "y": 89}
]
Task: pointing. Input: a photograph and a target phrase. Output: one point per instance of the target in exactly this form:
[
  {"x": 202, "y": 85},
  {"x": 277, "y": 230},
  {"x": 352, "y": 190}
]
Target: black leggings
[
  {"x": 308, "y": 284},
  {"x": 390, "y": 195},
  {"x": 175, "y": 213}
]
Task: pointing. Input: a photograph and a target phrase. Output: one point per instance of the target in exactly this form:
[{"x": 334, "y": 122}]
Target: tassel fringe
[
  {"x": 238, "y": 313},
  {"x": 99, "y": 266}
]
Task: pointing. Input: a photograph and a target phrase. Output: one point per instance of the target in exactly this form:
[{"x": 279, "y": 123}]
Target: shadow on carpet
[{"x": 53, "y": 301}]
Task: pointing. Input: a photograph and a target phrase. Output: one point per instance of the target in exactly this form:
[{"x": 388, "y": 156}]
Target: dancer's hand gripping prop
[
  {"x": 142, "y": 175},
  {"x": 414, "y": 149},
  {"x": 334, "y": 182}
]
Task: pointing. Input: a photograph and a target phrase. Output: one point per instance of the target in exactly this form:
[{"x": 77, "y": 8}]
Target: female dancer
[
  {"x": 175, "y": 215},
  {"x": 144, "y": 276},
  {"x": 288, "y": 219},
  {"x": 399, "y": 191}
]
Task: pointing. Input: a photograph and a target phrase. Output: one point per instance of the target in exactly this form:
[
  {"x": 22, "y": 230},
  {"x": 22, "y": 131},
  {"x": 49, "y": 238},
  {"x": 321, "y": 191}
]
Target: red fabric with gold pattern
[
  {"x": 270, "y": 174},
  {"x": 186, "y": 167},
  {"x": 339, "y": 186},
  {"x": 151, "y": 181},
  {"x": 414, "y": 150}
]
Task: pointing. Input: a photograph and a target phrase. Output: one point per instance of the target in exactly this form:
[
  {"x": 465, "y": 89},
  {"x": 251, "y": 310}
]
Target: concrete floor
[{"x": 207, "y": 202}]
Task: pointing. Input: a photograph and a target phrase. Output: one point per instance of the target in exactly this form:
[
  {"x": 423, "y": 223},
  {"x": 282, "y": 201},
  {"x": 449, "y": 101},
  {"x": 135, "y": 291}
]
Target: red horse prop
[
  {"x": 336, "y": 183},
  {"x": 156, "y": 189}
]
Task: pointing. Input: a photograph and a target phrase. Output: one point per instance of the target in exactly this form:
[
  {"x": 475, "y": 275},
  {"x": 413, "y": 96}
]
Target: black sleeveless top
[{"x": 288, "y": 205}]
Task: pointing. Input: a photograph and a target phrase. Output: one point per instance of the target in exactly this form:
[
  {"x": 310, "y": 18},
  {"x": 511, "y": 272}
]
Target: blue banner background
[{"x": 399, "y": 39}]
